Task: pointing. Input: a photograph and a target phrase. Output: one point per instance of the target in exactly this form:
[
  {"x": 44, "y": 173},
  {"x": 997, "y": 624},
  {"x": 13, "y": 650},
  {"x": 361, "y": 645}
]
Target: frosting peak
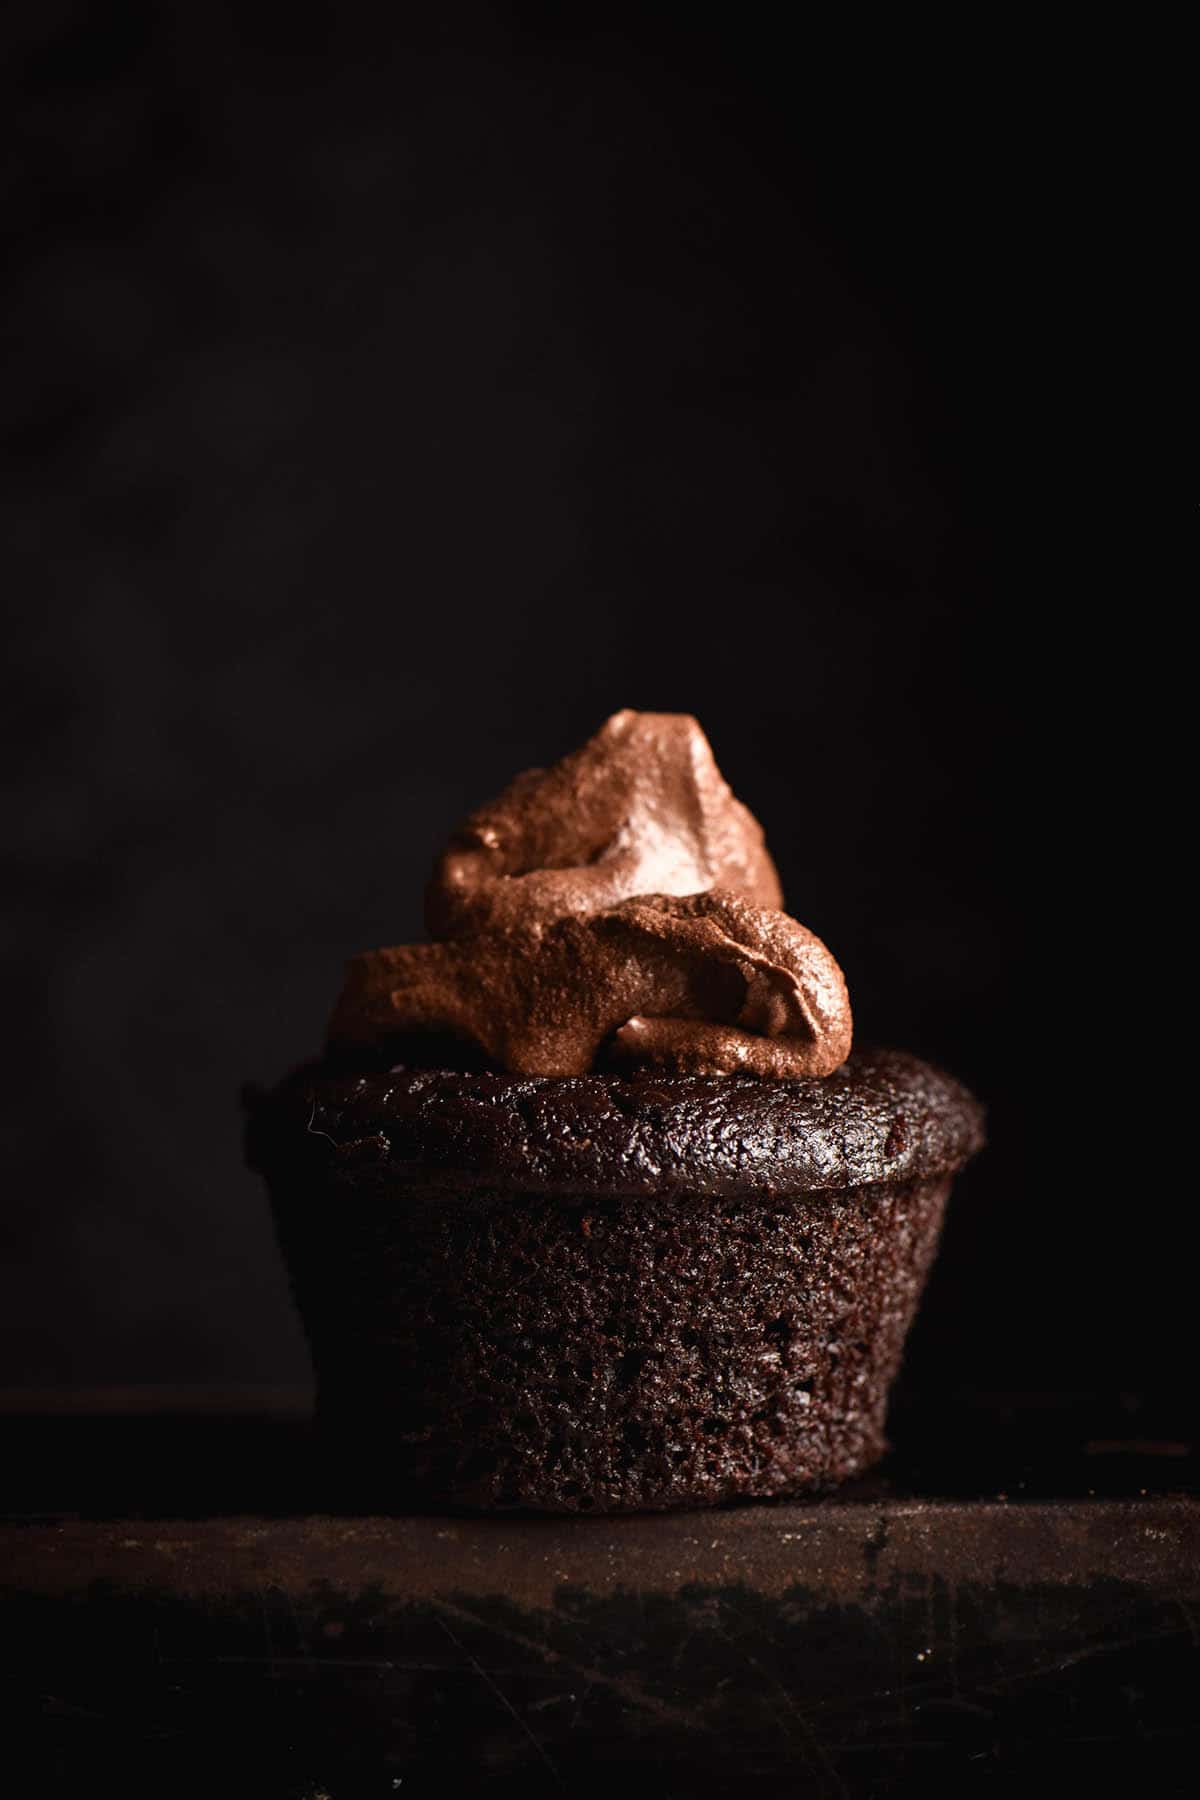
[
  {"x": 641, "y": 808},
  {"x": 620, "y": 905}
]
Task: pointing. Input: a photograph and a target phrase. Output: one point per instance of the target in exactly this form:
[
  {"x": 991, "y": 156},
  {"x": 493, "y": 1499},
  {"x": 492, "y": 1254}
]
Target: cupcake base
[
  {"x": 574, "y": 1355},
  {"x": 703, "y": 1334}
]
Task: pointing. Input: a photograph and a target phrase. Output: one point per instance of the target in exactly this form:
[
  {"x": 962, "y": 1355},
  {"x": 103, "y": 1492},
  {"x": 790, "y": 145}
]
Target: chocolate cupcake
[{"x": 588, "y": 1207}]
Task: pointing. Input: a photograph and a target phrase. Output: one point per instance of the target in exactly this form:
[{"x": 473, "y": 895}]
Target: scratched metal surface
[{"x": 876, "y": 1644}]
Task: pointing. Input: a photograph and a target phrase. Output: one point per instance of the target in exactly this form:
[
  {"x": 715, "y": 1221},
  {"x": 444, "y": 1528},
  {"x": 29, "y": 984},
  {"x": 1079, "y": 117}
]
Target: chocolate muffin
[{"x": 649, "y": 1237}]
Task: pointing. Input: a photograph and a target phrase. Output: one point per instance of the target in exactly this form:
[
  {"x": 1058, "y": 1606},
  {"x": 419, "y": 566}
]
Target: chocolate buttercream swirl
[
  {"x": 641, "y": 808},
  {"x": 620, "y": 906}
]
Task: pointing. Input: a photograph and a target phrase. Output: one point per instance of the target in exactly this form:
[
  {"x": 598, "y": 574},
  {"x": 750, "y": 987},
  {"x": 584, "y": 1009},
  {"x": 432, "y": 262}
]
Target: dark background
[{"x": 382, "y": 410}]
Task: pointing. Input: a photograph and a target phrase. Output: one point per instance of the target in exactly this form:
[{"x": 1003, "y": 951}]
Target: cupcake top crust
[
  {"x": 617, "y": 911},
  {"x": 882, "y": 1116}
]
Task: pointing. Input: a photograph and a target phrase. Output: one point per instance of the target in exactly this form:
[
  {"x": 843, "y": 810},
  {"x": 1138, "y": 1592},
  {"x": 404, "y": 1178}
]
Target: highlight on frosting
[
  {"x": 642, "y": 808},
  {"x": 620, "y": 906}
]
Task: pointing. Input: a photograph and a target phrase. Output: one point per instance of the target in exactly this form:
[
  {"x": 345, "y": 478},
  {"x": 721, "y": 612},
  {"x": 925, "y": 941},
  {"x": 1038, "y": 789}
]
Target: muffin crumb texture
[{"x": 510, "y": 1308}]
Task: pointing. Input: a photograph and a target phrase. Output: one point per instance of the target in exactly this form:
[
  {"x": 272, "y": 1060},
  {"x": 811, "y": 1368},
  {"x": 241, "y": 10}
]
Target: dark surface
[
  {"x": 882, "y": 1117},
  {"x": 385, "y": 403},
  {"x": 203, "y": 1453},
  {"x": 226, "y": 1639}
]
